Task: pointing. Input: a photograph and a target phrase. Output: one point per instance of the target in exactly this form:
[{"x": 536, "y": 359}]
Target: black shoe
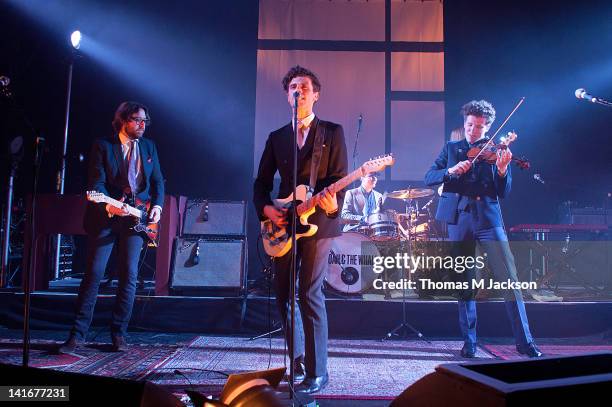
[
  {"x": 69, "y": 346},
  {"x": 119, "y": 343},
  {"x": 299, "y": 371},
  {"x": 468, "y": 350},
  {"x": 530, "y": 350},
  {"x": 312, "y": 384}
]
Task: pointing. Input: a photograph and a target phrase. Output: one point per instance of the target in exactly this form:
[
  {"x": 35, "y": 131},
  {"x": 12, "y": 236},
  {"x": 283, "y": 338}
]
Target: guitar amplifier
[
  {"x": 217, "y": 264},
  {"x": 214, "y": 218}
]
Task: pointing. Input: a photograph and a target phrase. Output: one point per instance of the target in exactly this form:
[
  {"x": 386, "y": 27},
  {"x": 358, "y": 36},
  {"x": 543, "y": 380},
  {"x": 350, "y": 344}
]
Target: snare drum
[
  {"x": 383, "y": 225},
  {"x": 350, "y": 263}
]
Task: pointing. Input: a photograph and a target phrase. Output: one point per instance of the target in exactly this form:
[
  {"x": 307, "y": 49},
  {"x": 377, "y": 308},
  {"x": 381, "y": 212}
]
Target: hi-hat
[{"x": 411, "y": 193}]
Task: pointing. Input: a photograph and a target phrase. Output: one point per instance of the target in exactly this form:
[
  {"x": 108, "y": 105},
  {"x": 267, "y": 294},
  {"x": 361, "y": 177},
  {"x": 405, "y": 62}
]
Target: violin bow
[{"x": 520, "y": 102}]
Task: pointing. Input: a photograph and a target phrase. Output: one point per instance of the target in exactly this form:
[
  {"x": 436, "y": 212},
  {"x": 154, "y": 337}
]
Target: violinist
[{"x": 469, "y": 205}]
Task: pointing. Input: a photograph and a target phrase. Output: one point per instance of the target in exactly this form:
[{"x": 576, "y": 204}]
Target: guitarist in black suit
[
  {"x": 123, "y": 167},
  {"x": 310, "y": 344}
]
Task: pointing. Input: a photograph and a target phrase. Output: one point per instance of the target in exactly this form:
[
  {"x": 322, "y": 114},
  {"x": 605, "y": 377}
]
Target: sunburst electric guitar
[
  {"x": 277, "y": 240},
  {"x": 141, "y": 225}
]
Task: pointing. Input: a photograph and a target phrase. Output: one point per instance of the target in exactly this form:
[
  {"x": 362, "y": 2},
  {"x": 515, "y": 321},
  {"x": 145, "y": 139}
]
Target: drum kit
[
  {"x": 350, "y": 260},
  {"x": 386, "y": 225}
]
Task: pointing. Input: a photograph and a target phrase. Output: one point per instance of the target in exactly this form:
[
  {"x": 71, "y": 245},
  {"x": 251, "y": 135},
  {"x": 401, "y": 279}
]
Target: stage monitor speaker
[
  {"x": 566, "y": 380},
  {"x": 209, "y": 263},
  {"x": 214, "y": 218},
  {"x": 86, "y": 390}
]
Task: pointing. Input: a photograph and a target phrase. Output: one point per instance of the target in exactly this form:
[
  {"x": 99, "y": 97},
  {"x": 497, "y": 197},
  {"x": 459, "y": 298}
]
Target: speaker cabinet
[
  {"x": 568, "y": 380},
  {"x": 214, "y": 218},
  {"x": 204, "y": 263}
]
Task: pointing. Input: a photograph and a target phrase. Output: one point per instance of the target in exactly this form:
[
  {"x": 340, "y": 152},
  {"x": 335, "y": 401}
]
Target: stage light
[
  {"x": 75, "y": 39},
  {"x": 252, "y": 389}
]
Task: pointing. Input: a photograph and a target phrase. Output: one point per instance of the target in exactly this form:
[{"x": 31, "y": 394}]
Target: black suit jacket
[
  {"x": 107, "y": 174},
  {"x": 481, "y": 187},
  {"x": 278, "y": 156}
]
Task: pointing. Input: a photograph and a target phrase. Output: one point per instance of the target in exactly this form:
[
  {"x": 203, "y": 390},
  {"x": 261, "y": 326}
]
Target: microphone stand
[
  {"x": 293, "y": 267},
  {"x": 27, "y": 274},
  {"x": 16, "y": 147},
  {"x": 359, "y": 121},
  {"x": 599, "y": 101}
]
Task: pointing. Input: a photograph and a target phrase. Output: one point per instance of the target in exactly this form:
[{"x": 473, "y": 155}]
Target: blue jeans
[
  {"x": 494, "y": 242},
  {"x": 99, "y": 248}
]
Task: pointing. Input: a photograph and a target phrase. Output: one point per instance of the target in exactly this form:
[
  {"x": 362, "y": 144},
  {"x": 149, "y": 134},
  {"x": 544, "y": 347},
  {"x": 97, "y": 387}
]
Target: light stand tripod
[{"x": 404, "y": 327}]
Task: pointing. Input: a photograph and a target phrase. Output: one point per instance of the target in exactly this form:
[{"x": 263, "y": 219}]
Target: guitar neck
[
  {"x": 118, "y": 204},
  {"x": 333, "y": 188}
]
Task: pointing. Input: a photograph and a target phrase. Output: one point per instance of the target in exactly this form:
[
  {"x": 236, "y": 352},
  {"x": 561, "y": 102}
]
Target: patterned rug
[
  {"x": 94, "y": 358},
  {"x": 508, "y": 352},
  {"x": 358, "y": 369}
]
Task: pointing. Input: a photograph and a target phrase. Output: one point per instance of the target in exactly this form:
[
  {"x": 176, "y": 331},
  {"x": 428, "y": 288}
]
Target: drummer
[{"x": 361, "y": 202}]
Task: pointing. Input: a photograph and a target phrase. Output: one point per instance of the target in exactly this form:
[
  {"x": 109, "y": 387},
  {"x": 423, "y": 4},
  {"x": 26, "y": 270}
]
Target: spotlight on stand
[{"x": 75, "y": 39}]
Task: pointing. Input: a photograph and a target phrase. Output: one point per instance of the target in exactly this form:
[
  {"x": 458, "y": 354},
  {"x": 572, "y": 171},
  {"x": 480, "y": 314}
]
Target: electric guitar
[
  {"x": 277, "y": 240},
  {"x": 141, "y": 212}
]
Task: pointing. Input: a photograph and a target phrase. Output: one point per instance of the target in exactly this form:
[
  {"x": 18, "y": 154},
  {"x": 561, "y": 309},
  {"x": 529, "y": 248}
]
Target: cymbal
[{"x": 411, "y": 193}]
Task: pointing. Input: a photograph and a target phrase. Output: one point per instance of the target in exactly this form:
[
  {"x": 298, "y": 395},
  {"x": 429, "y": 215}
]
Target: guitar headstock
[
  {"x": 95, "y": 196},
  {"x": 378, "y": 163}
]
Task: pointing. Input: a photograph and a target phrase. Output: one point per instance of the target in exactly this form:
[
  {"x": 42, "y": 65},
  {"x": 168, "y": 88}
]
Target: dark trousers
[
  {"x": 99, "y": 247},
  {"x": 310, "y": 339},
  {"x": 494, "y": 242}
]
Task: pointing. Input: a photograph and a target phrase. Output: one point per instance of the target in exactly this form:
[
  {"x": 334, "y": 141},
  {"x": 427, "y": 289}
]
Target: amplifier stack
[{"x": 211, "y": 252}]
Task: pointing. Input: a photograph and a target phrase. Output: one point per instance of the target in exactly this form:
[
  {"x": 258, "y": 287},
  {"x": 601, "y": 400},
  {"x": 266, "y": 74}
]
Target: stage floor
[
  {"x": 366, "y": 372},
  {"x": 354, "y": 318}
]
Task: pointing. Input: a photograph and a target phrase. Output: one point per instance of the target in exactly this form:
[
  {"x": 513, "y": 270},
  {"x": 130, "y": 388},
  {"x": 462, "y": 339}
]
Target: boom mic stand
[{"x": 269, "y": 278}]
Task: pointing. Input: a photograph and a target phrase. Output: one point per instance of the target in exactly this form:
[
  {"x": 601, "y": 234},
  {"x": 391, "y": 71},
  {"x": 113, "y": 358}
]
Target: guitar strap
[{"x": 317, "y": 152}]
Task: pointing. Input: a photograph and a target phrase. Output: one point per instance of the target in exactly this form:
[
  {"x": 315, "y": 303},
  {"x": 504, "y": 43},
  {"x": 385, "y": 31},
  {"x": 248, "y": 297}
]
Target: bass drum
[{"x": 350, "y": 263}]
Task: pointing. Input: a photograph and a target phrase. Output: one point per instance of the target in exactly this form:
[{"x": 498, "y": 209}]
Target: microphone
[
  {"x": 538, "y": 178},
  {"x": 581, "y": 93},
  {"x": 5, "y": 80},
  {"x": 296, "y": 94},
  {"x": 359, "y": 122}
]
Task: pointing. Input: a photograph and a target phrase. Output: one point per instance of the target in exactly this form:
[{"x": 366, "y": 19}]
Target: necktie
[
  {"x": 132, "y": 166},
  {"x": 369, "y": 204},
  {"x": 300, "y": 137}
]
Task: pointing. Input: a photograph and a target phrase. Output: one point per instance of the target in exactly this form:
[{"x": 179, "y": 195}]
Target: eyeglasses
[{"x": 138, "y": 121}]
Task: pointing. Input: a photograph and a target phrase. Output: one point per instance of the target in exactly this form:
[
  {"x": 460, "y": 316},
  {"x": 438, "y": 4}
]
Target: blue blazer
[
  {"x": 107, "y": 174},
  {"x": 480, "y": 188}
]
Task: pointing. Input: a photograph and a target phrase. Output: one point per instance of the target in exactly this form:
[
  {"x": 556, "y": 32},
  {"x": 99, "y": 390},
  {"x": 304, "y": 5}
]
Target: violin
[{"x": 488, "y": 152}]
